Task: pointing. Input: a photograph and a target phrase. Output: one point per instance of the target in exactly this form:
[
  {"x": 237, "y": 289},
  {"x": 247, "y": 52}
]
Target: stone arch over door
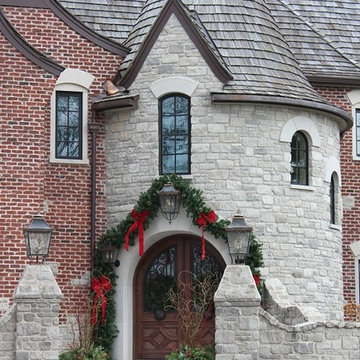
[{"x": 156, "y": 332}]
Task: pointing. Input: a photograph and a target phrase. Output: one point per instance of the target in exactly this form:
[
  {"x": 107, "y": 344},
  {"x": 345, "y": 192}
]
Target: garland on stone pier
[{"x": 195, "y": 206}]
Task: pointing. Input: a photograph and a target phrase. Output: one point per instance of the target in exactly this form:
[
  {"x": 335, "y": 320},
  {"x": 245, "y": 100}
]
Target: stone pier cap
[
  {"x": 238, "y": 286},
  {"x": 37, "y": 282}
]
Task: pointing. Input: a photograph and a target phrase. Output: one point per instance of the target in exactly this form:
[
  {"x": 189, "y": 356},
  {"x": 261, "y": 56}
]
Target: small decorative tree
[{"x": 193, "y": 302}]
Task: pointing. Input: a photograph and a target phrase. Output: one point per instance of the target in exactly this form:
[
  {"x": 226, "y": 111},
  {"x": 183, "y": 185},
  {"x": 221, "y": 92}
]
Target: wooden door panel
[{"x": 159, "y": 341}]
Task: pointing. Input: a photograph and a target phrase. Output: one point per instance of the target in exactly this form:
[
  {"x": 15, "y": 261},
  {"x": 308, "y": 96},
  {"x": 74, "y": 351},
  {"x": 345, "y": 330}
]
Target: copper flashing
[
  {"x": 20, "y": 44},
  {"x": 173, "y": 7},
  {"x": 345, "y": 119},
  {"x": 71, "y": 21},
  {"x": 116, "y": 102}
]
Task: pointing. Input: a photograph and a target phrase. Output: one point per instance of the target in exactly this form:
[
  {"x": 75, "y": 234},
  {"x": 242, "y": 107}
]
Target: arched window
[
  {"x": 174, "y": 134},
  {"x": 299, "y": 159}
]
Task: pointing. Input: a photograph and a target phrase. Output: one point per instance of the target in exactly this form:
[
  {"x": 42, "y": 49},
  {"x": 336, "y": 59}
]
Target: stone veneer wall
[
  {"x": 239, "y": 162},
  {"x": 7, "y": 334},
  {"x": 245, "y": 331}
]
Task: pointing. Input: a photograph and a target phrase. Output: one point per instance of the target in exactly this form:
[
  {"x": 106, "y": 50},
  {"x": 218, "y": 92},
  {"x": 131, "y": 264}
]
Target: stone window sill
[
  {"x": 302, "y": 187},
  {"x": 335, "y": 227}
]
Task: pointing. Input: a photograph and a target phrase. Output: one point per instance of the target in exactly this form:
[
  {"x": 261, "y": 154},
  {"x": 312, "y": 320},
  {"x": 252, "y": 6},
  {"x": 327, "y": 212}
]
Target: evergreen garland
[{"x": 193, "y": 203}]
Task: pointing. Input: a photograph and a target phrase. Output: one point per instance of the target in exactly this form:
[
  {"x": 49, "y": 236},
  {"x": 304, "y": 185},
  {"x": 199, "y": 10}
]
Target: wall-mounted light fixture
[
  {"x": 238, "y": 235},
  {"x": 169, "y": 202},
  {"x": 37, "y": 238}
]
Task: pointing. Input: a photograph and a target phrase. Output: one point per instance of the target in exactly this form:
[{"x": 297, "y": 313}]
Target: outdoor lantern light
[
  {"x": 238, "y": 235},
  {"x": 110, "y": 255},
  {"x": 37, "y": 238},
  {"x": 169, "y": 202}
]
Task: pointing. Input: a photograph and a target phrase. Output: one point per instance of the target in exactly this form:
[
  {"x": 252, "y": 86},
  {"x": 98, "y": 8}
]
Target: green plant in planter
[
  {"x": 92, "y": 353},
  {"x": 194, "y": 353}
]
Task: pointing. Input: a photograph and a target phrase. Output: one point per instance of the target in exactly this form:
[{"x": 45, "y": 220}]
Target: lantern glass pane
[{"x": 38, "y": 243}]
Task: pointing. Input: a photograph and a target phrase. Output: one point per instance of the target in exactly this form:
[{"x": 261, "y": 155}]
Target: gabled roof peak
[{"x": 149, "y": 25}]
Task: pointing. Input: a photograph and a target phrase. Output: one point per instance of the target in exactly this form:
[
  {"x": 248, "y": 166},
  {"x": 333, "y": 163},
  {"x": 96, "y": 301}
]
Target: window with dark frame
[
  {"x": 68, "y": 125},
  {"x": 357, "y": 131},
  {"x": 299, "y": 159},
  {"x": 332, "y": 200},
  {"x": 174, "y": 134}
]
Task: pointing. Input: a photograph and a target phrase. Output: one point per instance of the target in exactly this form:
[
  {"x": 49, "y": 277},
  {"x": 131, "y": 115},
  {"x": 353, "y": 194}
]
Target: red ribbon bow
[
  {"x": 256, "y": 279},
  {"x": 203, "y": 218},
  {"x": 139, "y": 219},
  {"x": 100, "y": 287}
]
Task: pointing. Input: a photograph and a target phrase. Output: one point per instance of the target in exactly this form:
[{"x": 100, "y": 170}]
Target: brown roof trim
[
  {"x": 19, "y": 43},
  {"x": 345, "y": 119},
  {"x": 173, "y": 7},
  {"x": 73, "y": 22},
  {"x": 112, "y": 103},
  {"x": 336, "y": 81},
  {"x": 25, "y": 3}
]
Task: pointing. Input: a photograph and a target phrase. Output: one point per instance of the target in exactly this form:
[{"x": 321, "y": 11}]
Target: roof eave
[
  {"x": 333, "y": 80},
  {"x": 344, "y": 118},
  {"x": 73, "y": 22},
  {"x": 32, "y": 54}
]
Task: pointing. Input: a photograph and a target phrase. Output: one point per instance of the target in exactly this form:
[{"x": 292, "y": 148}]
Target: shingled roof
[
  {"x": 322, "y": 34},
  {"x": 111, "y": 18}
]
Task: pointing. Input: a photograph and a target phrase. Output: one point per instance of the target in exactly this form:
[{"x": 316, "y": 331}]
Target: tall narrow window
[
  {"x": 332, "y": 201},
  {"x": 68, "y": 125},
  {"x": 357, "y": 129},
  {"x": 299, "y": 159},
  {"x": 175, "y": 134}
]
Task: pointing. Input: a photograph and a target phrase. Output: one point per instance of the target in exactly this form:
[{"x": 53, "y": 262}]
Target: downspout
[{"x": 94, "y": 128}]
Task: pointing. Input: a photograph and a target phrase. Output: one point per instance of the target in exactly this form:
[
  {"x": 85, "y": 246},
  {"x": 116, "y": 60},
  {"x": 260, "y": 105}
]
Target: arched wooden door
[{"x": 156, "y": 333}]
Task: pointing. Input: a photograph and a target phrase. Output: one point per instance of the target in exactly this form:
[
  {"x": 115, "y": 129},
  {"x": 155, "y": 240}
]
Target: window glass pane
[
  {"x": 73, "y": 149},
  {"x": 302, "y": 176},
  {"x": 62, "y": 133},
  {"x": 168, "y": 146},
  {"x": 182, "y": 164},
  {"x": 181, "y": 145},
  {"x": 168, "y": 164},
  {"x": 181, "y": 106},
  {"x": 74, "y": 103},
  {"x": 62, "y": 102},
  {"x": 168, "y": 106},
  {"x": 73, "y": 118},
  {"x": 61, "y": 149},
  {"x": 182, "y": 124},
  {"x": 168, "y": 125},
  {"x": 358, "y": 118},
  {"x": 62, "y": 118},
  {"x": 73, "y": 134}
]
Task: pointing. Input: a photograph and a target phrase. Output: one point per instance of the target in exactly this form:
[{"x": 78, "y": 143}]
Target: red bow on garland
[
  {"x": 203, "y": 218},
  {"x": 139, "y": 219},
  {"x": 100, "y": 287}
]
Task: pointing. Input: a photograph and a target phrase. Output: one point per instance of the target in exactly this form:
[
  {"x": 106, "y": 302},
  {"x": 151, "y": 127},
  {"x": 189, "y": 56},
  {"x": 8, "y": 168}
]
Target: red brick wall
[
  {"x": 27, "y": 179},
  {"x": 350, "y": 170}
]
